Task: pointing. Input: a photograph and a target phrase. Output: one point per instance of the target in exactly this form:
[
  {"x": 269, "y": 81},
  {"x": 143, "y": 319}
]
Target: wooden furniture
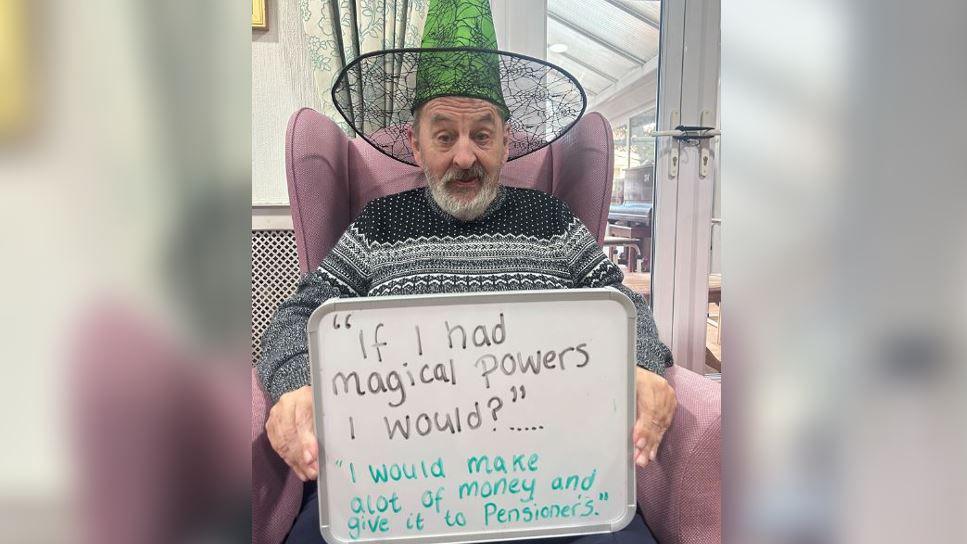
[
  {"x": 641, "y": 283},
  {"x": 715, "y": 288},
  {"x": 635, "y": 246},
  {"x": 633, "y": 220},
  {"x": 617, "y": 236}
]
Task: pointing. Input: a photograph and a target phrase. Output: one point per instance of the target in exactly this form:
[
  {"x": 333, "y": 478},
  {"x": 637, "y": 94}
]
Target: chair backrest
[{"x": 331, "y": 177}]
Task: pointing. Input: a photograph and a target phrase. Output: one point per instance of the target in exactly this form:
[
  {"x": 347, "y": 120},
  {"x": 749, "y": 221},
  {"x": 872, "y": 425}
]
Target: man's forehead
[{"x": 453, "y": 108}]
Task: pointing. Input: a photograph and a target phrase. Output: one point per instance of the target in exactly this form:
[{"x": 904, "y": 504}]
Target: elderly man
[{"x": 464, "y": 232}]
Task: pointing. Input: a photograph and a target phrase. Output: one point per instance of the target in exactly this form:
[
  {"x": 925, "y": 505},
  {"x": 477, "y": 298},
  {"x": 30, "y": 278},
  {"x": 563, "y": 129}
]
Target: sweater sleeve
[
  {"x": 345, "y": 273},
  {"x": 590, "y": 267}
]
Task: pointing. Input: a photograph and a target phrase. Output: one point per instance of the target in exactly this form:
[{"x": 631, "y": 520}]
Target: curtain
[{"x": 338, "y": 31}]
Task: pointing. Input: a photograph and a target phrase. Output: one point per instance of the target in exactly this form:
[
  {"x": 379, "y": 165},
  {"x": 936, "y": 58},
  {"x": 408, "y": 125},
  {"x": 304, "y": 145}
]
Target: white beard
[{"x": 463, "y": 210}]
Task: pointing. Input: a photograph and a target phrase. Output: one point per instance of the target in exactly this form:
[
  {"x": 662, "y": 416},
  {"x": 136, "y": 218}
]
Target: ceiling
[{"x": 608, "y": 42}]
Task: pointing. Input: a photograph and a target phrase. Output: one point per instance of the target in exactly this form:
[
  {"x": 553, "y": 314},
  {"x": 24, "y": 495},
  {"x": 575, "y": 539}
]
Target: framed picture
[
  {"x": 15, "y": 86},
  {"x": 258, "y": 15}
]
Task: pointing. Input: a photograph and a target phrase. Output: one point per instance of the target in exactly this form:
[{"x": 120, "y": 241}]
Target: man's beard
[{"x": 465, "y": 210}]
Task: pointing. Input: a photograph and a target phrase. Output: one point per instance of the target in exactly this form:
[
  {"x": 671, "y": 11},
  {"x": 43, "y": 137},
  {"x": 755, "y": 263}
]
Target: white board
[{"x": 424, "y": 440}]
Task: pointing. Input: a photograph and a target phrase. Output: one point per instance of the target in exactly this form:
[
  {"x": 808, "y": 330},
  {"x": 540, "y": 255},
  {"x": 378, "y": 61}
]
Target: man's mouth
[{"x": 469, "y": 182}]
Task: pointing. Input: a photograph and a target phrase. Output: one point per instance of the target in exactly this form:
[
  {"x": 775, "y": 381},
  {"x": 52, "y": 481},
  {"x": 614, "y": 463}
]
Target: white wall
[{"x": 281, "y": 83}]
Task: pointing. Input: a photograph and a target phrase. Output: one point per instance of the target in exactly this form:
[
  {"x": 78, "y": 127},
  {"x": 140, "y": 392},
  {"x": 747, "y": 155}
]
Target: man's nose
[{"x": 463, "y": 156}]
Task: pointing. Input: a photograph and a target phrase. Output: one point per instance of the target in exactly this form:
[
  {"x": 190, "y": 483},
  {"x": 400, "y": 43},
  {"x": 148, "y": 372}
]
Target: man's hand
[
  {"x": 656, "y": 407},
  {"x": 291, "y": 433}
]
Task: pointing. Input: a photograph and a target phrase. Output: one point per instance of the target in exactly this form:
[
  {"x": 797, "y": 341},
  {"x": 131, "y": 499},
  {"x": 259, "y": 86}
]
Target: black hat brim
[{"x": 375, "y": 94}]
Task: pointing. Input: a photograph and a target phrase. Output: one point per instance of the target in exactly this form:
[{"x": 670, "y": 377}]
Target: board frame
[{"x": 335, "y": 305}]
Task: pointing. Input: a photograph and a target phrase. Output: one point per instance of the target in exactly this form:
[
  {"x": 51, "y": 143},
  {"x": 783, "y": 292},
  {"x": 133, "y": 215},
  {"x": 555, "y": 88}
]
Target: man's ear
[
  {"x": 506, "y": 140},
  {"x": 415, "y": 146}
]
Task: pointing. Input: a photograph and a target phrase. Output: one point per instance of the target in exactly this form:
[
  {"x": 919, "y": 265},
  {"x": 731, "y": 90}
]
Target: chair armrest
[
  {"x": 276, "y": 490},
  {"x": 680, "y": 493}
]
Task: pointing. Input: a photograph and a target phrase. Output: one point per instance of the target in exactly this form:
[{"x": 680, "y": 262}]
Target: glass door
[
  {"x": 653, "y": 66},
  {"x": 647, "y": 66},
  {"x": 687, "y": 299}
]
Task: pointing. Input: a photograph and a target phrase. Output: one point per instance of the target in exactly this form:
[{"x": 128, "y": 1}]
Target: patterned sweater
[{"x": 404, "y": 244}]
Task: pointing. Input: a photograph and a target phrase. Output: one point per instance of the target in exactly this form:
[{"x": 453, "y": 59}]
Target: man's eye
[
  {"x": 483, "y": 137},
  {"x": 444, "y": 138}
]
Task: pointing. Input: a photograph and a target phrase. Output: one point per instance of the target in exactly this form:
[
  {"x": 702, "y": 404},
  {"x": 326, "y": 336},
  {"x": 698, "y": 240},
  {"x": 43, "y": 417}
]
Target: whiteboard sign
[{"x": 474, "y": 417}]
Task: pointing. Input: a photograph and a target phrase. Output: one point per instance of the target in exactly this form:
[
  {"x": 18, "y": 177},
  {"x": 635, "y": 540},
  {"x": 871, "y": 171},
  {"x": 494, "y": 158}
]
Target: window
[{"x": 611, "y": 47}]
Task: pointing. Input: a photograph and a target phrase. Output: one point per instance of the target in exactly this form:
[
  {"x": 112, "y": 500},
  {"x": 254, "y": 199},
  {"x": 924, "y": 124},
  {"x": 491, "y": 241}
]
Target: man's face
[{"x": 461, "y": 146}]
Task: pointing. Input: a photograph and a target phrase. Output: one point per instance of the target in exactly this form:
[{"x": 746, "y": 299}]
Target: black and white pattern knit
[{"x": 404, "y": 244}]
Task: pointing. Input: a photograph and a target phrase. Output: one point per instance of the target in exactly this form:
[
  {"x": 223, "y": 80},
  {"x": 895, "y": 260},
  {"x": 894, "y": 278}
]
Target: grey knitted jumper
[{"x": 404, "y": 244}]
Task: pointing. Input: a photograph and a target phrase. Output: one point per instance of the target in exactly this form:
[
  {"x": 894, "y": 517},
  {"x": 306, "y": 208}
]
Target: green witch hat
[{"x": 378, "y": 92}]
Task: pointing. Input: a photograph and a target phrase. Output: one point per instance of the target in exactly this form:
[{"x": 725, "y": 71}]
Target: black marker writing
[
  {"x": 424, "y": 423},
  {"x": 510, "y": 364},
  {"x": 377, "y": 382},
  {"x": 376, "y": 343},
  {"x": 480, "y": 336}
]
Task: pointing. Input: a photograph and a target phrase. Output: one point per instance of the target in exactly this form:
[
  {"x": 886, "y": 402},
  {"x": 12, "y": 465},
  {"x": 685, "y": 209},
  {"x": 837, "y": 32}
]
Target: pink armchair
[{"x": 331, "y": 177}]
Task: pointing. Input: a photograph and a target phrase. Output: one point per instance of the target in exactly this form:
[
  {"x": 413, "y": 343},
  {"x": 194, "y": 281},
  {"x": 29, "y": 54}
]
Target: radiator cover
[{"x": 275, "y": 274}]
